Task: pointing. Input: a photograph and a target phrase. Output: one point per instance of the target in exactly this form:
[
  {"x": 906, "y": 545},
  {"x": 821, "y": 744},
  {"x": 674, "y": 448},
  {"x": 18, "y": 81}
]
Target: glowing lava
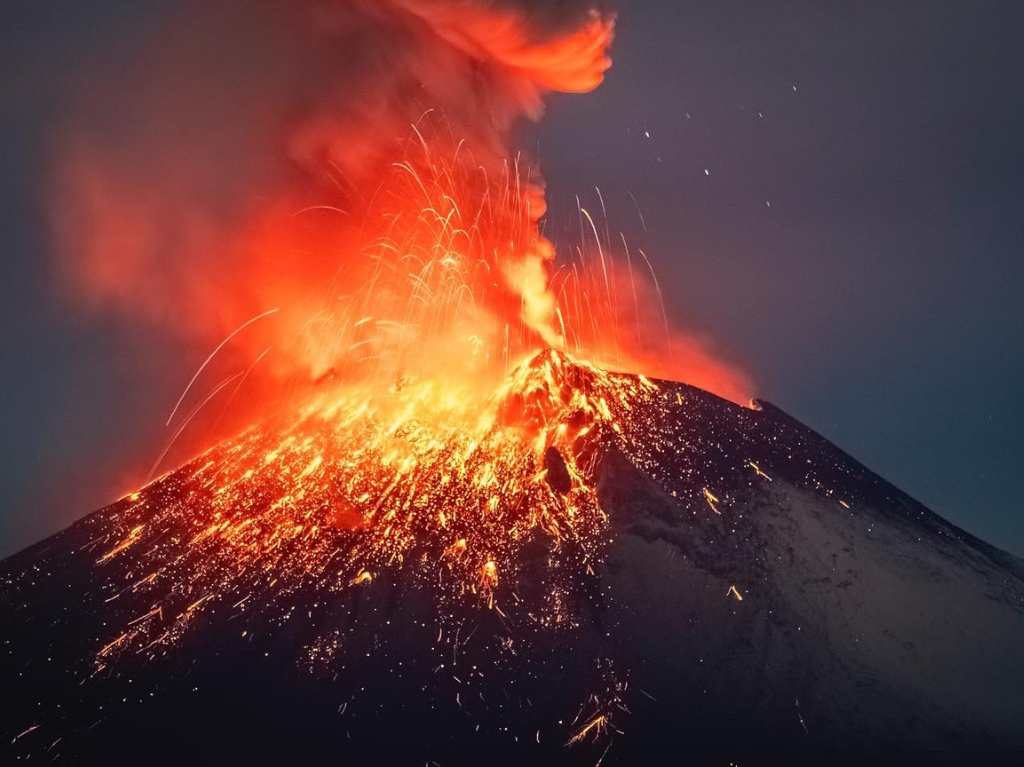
[{"x": 429, "y": 481}]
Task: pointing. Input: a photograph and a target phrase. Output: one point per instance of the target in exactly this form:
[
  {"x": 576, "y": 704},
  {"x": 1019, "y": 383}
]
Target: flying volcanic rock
[{"x": 600, "y": 569}]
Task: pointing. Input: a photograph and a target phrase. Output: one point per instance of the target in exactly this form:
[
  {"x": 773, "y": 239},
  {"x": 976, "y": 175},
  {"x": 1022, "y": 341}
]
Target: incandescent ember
[{"x": 363, "y": 481}]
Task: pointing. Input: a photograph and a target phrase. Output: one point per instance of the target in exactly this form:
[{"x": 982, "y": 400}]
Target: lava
[{"x": 414, "y": 478}]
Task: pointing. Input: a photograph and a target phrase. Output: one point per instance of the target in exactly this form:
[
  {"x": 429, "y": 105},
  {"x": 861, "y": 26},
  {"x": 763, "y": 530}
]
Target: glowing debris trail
[{"x": 213, "y": 354}]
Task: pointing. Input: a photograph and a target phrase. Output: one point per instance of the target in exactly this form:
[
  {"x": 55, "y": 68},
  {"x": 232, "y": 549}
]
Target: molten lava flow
[{"x": 411, "y": 481}]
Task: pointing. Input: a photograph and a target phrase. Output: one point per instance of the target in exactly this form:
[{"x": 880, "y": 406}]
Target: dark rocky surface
[{"x": 763, "y": 599}]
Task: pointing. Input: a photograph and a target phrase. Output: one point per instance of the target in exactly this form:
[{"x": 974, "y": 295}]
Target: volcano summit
[{"x": 594, "y": 567}]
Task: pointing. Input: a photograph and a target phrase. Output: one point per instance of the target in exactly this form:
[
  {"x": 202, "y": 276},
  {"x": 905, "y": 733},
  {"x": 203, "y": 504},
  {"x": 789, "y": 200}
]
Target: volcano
[{"x": 602, "y": 568}]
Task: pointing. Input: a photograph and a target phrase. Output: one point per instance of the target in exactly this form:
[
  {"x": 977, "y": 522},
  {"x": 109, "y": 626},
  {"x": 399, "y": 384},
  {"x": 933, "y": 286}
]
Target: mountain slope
[{"x": 659, "y": 574}]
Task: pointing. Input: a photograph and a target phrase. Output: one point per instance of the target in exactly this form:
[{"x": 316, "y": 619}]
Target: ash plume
[
  {"x": 170, "y": 198},
  {"x": 323, "y": 165}
]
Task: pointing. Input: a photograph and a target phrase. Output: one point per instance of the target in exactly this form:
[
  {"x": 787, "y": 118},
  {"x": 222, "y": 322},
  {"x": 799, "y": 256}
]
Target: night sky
[{"x": 832, "y": 191}]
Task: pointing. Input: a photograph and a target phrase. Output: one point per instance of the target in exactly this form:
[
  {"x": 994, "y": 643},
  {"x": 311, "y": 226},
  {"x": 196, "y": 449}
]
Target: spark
[
  {"x": 758, "y": 471},
  {"x": 598, "y": 726},
  {"x": 639, "y": 211},
  {"x": 133, "y": 535},
  {"x": 25, "y": 732},
  {"x": 712, "y": 500},
  {"x": 213, "y": 354},
  {"x": 364, "y": 577},
  {"x": 194, "y": 412}
]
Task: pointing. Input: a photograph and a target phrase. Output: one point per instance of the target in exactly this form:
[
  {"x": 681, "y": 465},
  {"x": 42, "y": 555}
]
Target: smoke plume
[{"x": 348, "y": 167}]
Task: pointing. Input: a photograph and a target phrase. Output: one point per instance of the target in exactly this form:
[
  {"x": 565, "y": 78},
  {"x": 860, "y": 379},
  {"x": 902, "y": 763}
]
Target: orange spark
[
  {"x": 598, "y": 726},
  {"x": 712, "y": 500}
]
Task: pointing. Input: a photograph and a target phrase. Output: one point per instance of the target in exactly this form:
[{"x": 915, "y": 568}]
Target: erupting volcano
[
  {"x": 584, "y": 567},
  {"x": 467, "y": 514}
]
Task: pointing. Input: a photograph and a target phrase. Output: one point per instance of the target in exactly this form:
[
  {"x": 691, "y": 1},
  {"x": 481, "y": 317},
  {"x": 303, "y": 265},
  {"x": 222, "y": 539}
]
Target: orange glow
[
  {"x": 454, "y": 475},
  {"x": 425, "y": 383},
  {"x": 593, "y": 729},
  {"x": 398, "y": 233}
]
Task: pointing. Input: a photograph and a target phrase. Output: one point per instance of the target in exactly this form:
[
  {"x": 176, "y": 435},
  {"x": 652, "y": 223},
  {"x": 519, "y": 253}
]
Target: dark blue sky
[{"x": 856, "y": 242}]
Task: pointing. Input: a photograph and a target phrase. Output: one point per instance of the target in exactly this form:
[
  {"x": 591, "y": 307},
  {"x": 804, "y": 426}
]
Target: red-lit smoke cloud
[{"x": 248, "y": 160}]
